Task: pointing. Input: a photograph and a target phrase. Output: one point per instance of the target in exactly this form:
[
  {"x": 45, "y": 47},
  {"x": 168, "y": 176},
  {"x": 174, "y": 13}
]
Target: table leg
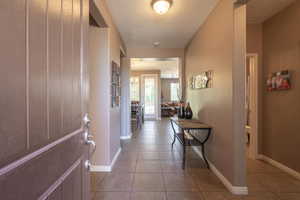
[
  {"x": 183, "y": 158},
  {"x": 184, "y": 151},
  {"x": 203, "y": 154},
  {"x": 174, "y": 133},
  {"x": 173, "y": 141},
  {"x": 203, "y": 148}
]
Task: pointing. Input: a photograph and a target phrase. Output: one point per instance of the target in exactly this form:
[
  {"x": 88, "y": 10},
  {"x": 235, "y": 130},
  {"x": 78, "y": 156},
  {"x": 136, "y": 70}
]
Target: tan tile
[
  {"x": 196, "y": 166},
  {"x": 151, "y": 166},
  {"x": 112, "y": 196},
  {"x": 172, "y": 155},
  {"x": 148, "y": 196},
  {"x": 289, "y": 196},
  {"x": 148, "y": 182},
  {"x": 220, "y": 196},
  {"x": 128, "y": 156},
  {"x": 184, "y": 196},
  {"x": 125, "y": 166},
  {"x": 172, "y": 167},
  {"x": 179, "y": 182},
  {"x": 116, "y": 182},
  {"x": 207, "y": 181},
  {"x": 96, "y": 177},
  {"x": 280, "y": 183},
  {"x": 258, "y": 166},
  {"x": 254, "y": 184},
  {"x": 149, "y": 156},
  {"x": 260, "y": 196}
]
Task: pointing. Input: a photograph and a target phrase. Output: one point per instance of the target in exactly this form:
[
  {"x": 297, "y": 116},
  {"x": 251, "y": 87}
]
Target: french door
[
  {"x": 149, "y": 96},
  {"x": 43, "y": 77}
]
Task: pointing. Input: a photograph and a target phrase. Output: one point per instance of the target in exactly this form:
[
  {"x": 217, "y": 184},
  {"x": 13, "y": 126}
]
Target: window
[
  {"x": 174, "y": 89},
  {"x": 134, "y": 88}
]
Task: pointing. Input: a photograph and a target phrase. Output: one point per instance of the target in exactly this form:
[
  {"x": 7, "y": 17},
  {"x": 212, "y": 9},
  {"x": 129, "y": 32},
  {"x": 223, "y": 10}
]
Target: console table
[{"x": 188, "y": 125}]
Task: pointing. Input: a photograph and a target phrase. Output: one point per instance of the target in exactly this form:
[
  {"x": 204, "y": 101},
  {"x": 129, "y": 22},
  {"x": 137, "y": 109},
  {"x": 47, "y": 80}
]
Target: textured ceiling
[
  {"x": 260, "y": 10},
  {"x": 140, "y": 26}
]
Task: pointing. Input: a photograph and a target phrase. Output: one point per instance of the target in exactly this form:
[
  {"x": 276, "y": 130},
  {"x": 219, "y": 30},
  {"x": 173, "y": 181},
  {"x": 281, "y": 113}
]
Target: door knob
[
  {"x": 86, "y": 121},
  {"x": 87, "y": 165},
  {"x": 88, "y": 140}
]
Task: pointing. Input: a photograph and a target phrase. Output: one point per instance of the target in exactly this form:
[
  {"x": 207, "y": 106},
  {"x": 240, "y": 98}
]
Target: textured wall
[
  {"x": 281, "y": 110},
  {"x": 212, "y": 49},
  {"x": 99, "y": 103},
  {"x": 107, "y": 49}
]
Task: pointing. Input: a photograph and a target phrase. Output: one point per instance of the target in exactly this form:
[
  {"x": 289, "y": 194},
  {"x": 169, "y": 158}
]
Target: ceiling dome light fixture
[{"x": 161, "y": 6}]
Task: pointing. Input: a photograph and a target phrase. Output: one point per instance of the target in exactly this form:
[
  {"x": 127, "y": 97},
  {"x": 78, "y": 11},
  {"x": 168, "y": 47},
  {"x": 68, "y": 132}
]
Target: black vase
[
  {"x": 181, "y": 112},
  {"x": 188, "y": 112}
]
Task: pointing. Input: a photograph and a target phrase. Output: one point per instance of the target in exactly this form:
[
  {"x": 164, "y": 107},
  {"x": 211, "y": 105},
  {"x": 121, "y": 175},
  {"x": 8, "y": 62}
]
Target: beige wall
[
  {"x": 99, "y": 101},
  {"x": 281, "y": 110},
  {"x": 113, "y": 122},
  {"x": 212, "y": 49}
]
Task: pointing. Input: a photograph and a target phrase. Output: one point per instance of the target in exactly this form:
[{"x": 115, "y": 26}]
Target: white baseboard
[
  {"x": 106, "y": 168},
  {"x": 280, "y": 166},
  {"x": 100, "y": 168},
  {"x": 115, "y": 158},
  {"x": 237, "y": 190},
  {"x": 126, "y": 137}
]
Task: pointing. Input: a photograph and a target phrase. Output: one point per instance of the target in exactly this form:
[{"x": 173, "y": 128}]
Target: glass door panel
[{"x": 149, "y": 96}]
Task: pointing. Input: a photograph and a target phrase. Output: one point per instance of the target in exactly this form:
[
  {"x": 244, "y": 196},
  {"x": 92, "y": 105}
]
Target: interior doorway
[
  {"x": 155, "y": 88},
  {"x": 251, "y": 106}
]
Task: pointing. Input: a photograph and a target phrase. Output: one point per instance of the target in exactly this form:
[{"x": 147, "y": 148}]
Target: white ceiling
[
  {"x": 260, "y": 10},
  {"x": 140, "y": 26},
  {"x": 169, "y": 67}
]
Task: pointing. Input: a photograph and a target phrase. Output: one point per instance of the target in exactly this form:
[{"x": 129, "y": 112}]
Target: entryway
[{"x": 251, "y": 106}]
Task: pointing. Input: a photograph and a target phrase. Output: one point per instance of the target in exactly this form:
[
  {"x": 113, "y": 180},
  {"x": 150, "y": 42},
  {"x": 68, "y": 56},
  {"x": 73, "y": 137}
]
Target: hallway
[{"x": 147, "y": 169}]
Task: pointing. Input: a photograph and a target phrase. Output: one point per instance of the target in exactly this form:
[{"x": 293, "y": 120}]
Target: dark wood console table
[{"x": 188, "y": 125}]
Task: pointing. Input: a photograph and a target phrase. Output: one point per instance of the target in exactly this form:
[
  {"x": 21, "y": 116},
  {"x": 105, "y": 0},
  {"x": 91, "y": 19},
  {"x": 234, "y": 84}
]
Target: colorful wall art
[{"x": 279, "y": 81}]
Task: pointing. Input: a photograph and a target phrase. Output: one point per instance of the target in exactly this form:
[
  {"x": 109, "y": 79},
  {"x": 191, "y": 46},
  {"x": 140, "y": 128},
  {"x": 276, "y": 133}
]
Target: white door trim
[{"x": 254, "y": 104}]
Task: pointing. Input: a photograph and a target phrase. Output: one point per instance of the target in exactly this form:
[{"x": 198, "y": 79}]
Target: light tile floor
[{"x": 148, "y": 169}]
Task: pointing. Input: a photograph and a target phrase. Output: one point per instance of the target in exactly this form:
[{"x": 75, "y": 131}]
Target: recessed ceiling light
[{"x": 161, "y": 6}]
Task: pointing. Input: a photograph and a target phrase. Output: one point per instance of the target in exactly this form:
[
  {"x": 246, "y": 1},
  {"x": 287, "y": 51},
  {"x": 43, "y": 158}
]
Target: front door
[{"x": 43, "y": 154}]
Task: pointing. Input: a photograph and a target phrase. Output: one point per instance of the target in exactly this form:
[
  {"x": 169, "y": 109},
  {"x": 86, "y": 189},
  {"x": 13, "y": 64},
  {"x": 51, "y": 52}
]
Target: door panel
[
  {"x": 42, "y": 172},
  {"x": 54, "y": 68},
  {"x": 71, "y": 187},
  {"x": 76, "y": 115},
  {"x": 43, "y": 99},
  {"x": 37, "y": 76},
  {"x": 13, "y": 134},
  {"x": 67, "y": 67},
  {"x": 56, "y": 195}
]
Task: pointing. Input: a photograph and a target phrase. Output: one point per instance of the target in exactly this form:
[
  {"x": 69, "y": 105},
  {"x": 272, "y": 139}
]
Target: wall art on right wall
[{"x": 279, "y": 81}]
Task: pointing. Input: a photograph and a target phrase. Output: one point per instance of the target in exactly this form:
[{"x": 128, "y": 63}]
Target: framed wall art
[
  {"x": 202, "y": 80},
  {"x": 115, "y": 85},
  {"x": 279, "y": 81}
]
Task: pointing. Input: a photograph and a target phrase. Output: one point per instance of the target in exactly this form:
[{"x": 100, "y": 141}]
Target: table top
[{"x": 190, "y": 123}]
